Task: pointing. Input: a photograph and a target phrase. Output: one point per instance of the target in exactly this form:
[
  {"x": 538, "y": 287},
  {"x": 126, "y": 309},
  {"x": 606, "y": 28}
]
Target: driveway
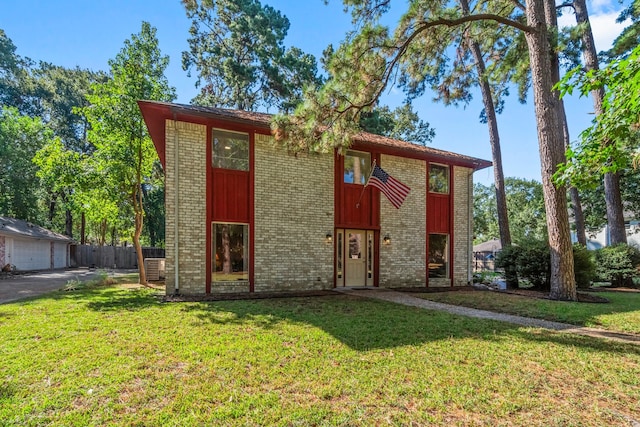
[{"x": 37, "y": 283}]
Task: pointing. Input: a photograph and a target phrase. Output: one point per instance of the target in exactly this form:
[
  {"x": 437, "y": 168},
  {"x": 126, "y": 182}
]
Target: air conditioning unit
[{"x": 154, "y": 267}]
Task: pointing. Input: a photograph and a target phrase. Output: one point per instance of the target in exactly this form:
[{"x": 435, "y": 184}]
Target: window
[
  {"x": 438, "y": 256},
  {"x": 230, "y": 150},
  {"x": 339, "y": 255},
  {"x": 357, "y": 167},
  {"x": 230, "y": 252},
  {"x": 439, "y": 179}
]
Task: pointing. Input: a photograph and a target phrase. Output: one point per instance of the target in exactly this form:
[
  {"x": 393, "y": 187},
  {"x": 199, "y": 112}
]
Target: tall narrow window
[
  {"x": 438, "y": 256},
  {"x": 439, "y": 179},
  {"x": 369, "y": 256},
  {"x": 339, "y": 256},
  {"x": 357, "y": 167},
  {"x": 230, "y": 252},
  {"x": 230, "y": 150}
]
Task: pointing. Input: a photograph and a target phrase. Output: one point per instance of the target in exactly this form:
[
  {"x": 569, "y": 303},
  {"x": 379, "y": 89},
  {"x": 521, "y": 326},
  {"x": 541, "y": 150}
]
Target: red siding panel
[
  {"x": 438, "y": 213},
  {"x": 356, "y": 211},
  {"x": 230, "y": 196}
]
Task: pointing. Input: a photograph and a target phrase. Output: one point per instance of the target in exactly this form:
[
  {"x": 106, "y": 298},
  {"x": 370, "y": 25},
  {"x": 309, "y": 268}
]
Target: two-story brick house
[{"x": 243, "y": 215}]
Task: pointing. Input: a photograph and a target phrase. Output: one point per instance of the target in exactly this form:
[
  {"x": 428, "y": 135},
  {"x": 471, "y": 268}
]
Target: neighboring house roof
[
  {"x": 488, "y": 246},
  {"x": 155, "y": 113},
  {"x": 20, "y": 228}
]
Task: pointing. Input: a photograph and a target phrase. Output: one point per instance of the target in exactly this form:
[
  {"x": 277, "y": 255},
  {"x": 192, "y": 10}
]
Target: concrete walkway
[{"x": 409, "y": 300}]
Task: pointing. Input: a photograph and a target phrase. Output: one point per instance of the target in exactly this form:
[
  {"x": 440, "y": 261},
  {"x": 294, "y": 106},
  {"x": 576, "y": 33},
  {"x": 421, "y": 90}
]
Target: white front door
[{"x": 356, "y": 259}]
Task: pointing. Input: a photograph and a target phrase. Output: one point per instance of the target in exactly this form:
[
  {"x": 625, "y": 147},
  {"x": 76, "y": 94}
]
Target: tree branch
[
  {"x": 567, "y": 4},
  {"x": 419, "y": 29},
  {"x": 518, "y": 4}
]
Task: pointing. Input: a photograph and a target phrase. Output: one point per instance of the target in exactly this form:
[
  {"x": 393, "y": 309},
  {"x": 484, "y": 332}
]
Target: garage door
[
  {"x": 31, "y": 254},
  {"x": 59, "y": 255}
]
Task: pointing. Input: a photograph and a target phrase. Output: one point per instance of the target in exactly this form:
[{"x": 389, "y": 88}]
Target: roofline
[
  {"x": 156, "y": 112},
  {"x": 27, "y": 236}
]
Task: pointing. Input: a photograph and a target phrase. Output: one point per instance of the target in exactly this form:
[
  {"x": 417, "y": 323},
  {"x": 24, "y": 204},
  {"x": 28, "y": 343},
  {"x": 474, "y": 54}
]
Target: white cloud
[
  {"x": 604, "y": 26},
  {"x": 598, "y": 6},
  {"x": 606, "y": 29}
]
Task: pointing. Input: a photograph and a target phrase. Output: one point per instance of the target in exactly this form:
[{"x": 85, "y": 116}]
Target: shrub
[
  {"x": 617, "y": 264},
  {"x": 583, "y": 265},
  {"x": 531, "y": 262}
]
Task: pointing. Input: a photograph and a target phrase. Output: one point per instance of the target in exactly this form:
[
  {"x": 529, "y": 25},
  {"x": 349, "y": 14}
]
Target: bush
[
  {"x": 617, "y": 264},
  {"x": 531, "y": 261},
  {"x": 583, "y": 265}
]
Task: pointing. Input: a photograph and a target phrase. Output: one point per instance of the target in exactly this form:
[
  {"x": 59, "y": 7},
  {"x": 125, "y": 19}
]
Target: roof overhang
[{"x": 156, "y": 113}]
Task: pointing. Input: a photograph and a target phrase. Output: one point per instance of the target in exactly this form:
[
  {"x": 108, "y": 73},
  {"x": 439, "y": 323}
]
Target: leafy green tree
[
  {"x": 595, "y": 206},
  {"x": 154, "y": 231},
  {"x": 485, "y": 224},
  {"x": 615, "y": 215},
  {"x": 58, "y": 170},
  {"x": 611, "y": 142},
  {"x": 629, "y": 38},
  {"x": 402, "y": 123},
  {"x": 62, "y": 93},
  {"x": 525, "y": 206},
  {"x": 237, "y": 49},
  {"x": 20, "y": 138},
  {"x": 15, "y": 83},
  {"x": 124, "y": 151},
  {"x": 366, "y": 63}
]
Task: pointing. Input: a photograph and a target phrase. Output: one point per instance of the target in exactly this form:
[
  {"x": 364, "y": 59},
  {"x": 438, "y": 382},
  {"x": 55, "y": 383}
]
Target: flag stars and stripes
[{"x": 393, "y": 189}]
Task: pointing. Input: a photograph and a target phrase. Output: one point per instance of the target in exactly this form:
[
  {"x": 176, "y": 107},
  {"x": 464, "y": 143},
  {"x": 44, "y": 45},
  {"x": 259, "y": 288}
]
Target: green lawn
[
  {"x": 117, "y": 356},
  {"x": 621, "y": 314}
]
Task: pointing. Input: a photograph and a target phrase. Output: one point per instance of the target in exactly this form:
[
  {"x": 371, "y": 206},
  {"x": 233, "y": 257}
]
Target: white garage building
[{"x": 26, "y": 246}]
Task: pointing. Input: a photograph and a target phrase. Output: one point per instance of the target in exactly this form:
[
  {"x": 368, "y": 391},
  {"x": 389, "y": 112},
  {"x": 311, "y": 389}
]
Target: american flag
[{"x": 395, "y": 191}]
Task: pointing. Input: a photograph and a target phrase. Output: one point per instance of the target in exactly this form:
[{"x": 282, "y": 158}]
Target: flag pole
[{"x": 373, "y": 166}]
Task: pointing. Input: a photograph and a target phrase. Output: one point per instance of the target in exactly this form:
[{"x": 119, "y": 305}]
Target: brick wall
[
  {"x": 293, "y": 213},
  {"x": 294, "y": 210},
  {"x": 403, "y": 262},
  {"x": 191, "y": 194},
  {"x": 462, "y": 224}
]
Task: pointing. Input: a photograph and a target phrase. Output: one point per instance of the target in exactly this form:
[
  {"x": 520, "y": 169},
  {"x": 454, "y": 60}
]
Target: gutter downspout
[
  {"x": 176, "y": 210},
  {"x": 470, "y": 228}
]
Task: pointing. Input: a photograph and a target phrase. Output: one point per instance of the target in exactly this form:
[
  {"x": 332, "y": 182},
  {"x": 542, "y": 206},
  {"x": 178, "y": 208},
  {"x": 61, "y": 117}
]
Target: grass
[
  {"x": 115, "y": 355},
  {"x": 621, "y": 314}
]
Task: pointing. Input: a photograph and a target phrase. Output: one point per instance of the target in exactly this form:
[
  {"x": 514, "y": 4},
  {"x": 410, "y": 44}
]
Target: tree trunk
[
  {"x": 226, "y": 250},
  {"x": 68, "y": 223},
  {"x": 52, "y": 207},
  {"x": 103, "y": 232},
  {"x": 496, "y": 152},
  {"x": 136, "y": 243},
  {"x": 551, "y": 145},
  {"x": 139, "y": 218},
  {"x": 613, "y": 199},
  {"x": 138, "y": 210},
  {"x": 552, "y": 21},
  {"x": 578, "y": 216},
  {"x": 615, "y": 215},
  {"x": 576, "y": 205},
  {"x": 83, "y": 223}
]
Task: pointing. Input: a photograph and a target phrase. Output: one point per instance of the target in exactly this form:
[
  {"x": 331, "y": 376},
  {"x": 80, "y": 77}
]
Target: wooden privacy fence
[{"x": 118, "y": 257}]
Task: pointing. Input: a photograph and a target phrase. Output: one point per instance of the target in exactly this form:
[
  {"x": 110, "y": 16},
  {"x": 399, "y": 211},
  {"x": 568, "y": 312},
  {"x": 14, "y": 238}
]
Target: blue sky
[{"x": 88, "y": 33}]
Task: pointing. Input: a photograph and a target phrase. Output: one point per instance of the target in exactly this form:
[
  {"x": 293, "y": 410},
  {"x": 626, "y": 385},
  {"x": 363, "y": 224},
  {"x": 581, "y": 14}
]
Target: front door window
[{"x": 355, "y": 257}]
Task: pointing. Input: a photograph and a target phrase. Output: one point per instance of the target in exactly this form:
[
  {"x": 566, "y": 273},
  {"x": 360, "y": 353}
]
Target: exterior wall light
[
  {"x": 329, "y": 237},
  {"x": 386, "y": 240}
]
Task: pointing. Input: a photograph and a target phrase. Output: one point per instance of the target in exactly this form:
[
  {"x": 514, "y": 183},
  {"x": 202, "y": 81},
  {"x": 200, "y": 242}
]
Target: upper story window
[
  {"x": 438, "y": 179},
  {"x": 230, "y": 150},
  {"x": 357, "y": 167}
]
